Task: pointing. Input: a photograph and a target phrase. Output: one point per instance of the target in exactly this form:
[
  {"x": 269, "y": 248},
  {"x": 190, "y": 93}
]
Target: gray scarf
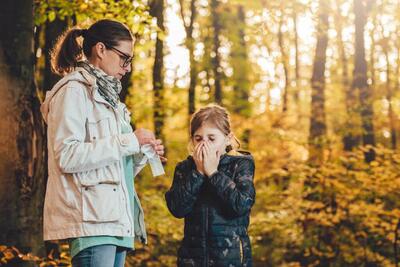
[{"x": 109, "y": 87}]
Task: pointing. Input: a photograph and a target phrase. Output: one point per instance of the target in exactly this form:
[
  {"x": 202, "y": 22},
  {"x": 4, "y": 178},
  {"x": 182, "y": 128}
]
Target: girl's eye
[
  {"x": 198, "y": 139},
  {"x": 211, "y": 139}
]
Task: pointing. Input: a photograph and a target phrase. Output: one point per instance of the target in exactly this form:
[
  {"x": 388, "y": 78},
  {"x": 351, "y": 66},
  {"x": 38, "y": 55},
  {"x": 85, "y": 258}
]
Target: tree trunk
[
  {"x": 23, "y": 143},
  {"x": 350, "y": 139},
  {"x": 340, "y": 44},
  {"x": 360, "y": 80},
  {"x": 157, "y": 11},
  {"x": 389, "y": 95},
  {"x": 193, "y": 70},
  {"x": 397, "y": 73},
  {"x": 241, "y": 70},
  {"x": 284, "y": 60},
  {"x": 190, "y": 42},
  {"x": 296, "y": 58},
  {"x": 372, "y": 52},
  {"x": 318, "y": 125},
  {"x": 52, "y": 31},
  {"x": 216, "y": 60}
]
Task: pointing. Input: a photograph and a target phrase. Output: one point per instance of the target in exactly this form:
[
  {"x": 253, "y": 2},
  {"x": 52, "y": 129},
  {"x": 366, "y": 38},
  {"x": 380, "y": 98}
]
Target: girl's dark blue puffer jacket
[{"x": 216, "y": 211}]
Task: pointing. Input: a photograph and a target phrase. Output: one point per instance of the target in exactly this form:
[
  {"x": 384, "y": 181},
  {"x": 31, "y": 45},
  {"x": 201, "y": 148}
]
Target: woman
[{"x": 93, "y": 155}]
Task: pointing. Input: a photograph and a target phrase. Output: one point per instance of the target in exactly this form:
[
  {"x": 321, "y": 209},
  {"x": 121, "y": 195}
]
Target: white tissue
[{"x": 154, "y": 160}]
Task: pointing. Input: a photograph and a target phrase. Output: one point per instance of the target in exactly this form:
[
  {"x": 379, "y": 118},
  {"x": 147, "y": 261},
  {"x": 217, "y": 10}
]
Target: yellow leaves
[
  {"x": 374, "y": 163},
  {"x": 83, "y": 7},
  {"x": 52, "y": 15},
  {"x": 8, "y": 254}
]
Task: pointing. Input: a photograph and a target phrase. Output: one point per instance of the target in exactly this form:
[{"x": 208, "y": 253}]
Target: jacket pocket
[
  {"x": 101, "y": 202},
  {"x": 105, "y": 175},
  {"x": 98, "y": 128}
]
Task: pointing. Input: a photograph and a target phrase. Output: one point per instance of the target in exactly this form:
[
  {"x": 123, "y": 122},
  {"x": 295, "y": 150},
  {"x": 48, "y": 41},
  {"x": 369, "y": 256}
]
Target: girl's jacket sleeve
[
  {"x": 183, "y": 193},
  {"x": 237, "y": 192}
]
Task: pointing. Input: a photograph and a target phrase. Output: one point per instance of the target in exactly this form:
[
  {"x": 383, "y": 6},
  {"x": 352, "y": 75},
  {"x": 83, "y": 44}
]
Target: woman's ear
[{"x": 99, "y": 50}]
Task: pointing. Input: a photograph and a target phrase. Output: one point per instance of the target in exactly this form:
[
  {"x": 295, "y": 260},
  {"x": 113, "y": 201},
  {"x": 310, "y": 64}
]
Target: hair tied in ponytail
[{"x": 84, "y": 33}]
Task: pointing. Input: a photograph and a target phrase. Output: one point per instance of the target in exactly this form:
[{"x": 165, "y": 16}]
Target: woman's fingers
[
  {"x": 144, "y": 136},
  {"x": 159, "y": 150}
]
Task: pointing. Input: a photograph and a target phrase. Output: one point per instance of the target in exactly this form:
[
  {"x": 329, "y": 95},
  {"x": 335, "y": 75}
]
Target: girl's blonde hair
[{"x": 216, "y": 116}]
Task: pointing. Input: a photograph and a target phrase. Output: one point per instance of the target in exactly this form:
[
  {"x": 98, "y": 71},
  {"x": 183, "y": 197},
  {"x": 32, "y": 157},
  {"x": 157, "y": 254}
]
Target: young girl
[{"x": 214, "y": 191}]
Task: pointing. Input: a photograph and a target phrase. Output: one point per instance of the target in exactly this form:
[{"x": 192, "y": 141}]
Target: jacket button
[
  {"x": 114, "y": 189},
  {"x": 86, "y": 188},
  {"x": 125, "y": 141},
  {"x": 129, "y": 231}
]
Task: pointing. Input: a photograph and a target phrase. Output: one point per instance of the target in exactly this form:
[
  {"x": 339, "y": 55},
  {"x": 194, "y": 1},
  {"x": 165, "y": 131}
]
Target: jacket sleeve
[
  {"x": 184, "y": 190},
  {"x": 237, "y": 192},
  {"x": 140, "y": 160},
  {"x": 68, "y": 124}
]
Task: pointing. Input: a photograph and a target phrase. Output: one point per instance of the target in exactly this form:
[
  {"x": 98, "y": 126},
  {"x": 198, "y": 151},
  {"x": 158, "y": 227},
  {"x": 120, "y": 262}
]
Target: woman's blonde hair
[{"x": 216, "y": 116}]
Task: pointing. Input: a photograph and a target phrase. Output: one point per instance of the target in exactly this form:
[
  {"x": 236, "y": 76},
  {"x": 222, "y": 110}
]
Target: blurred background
[{"x": 313, "y": 91}]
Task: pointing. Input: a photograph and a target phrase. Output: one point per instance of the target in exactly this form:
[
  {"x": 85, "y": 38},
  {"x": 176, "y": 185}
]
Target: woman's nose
[{"x": 128, "y": 68}]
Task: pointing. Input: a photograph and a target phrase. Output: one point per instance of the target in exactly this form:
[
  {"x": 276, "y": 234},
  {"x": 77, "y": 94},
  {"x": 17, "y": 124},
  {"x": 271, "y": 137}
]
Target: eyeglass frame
[{"x": 127, "y": 60}]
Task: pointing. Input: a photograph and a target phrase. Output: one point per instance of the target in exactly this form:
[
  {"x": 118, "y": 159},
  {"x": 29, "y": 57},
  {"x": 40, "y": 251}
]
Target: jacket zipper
[
  {"x": 241, "y": 250},
  {"x": 122, "y": 175},
  {"x": 206, "y": 259}
]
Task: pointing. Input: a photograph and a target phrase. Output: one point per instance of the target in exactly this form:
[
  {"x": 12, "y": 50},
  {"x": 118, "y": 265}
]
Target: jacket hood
[{"x": 79, "y": 75}]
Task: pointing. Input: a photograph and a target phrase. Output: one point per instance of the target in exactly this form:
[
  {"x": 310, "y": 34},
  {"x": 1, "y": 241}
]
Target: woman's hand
[
  {"x": 198, "y": 157},
  {"x": 144, "y": 136},
  {"x": 159, "y": 149},
  {"x": 211, "y": 159}
]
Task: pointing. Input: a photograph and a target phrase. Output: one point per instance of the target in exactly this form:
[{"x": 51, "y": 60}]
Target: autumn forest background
[{"x": 313, "y": 88}]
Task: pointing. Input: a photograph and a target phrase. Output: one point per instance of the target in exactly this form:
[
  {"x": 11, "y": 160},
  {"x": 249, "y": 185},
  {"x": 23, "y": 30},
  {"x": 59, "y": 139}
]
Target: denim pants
[{"x": 100, "y": 256}]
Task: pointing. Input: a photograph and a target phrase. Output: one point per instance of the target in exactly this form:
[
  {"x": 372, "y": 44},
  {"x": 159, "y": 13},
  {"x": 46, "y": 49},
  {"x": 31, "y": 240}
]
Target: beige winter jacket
[{"x": 86, "y": 191}]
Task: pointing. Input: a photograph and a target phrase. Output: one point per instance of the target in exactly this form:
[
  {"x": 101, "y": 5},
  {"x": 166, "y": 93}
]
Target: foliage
[
  {"x": 11, "y": 256},
  {"x": 343, "y": 212},
  {"x": 135, "y": 14}
]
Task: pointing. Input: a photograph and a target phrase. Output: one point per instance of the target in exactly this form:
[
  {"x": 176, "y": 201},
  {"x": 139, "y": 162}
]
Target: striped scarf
[{"x": 108, "y": 86}]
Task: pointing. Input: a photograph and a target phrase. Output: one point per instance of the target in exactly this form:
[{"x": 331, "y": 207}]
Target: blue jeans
[{"x": 100, "y": 256}]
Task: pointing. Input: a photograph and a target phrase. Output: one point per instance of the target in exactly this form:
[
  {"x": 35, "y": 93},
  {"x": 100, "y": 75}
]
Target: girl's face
[{"x": 215, "y": 137}]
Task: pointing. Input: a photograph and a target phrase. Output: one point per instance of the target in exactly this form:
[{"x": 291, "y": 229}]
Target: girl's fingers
[
  {"x": 201, "y": 154},
  {"x": 206, "y": 151},
  {"x": 196, "y": 147},
  {"x": 199, "y": 151},
  {"x": 207, "y": 145},
  {"x": 210, "y": 151}
]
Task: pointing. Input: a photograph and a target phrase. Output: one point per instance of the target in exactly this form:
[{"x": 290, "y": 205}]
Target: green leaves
[{"x": 134, "y": 14}]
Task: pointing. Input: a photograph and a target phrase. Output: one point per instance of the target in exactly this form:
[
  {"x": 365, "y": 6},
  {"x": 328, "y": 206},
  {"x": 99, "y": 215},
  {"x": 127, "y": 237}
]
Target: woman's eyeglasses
[{"x": 126, "y": 59}]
